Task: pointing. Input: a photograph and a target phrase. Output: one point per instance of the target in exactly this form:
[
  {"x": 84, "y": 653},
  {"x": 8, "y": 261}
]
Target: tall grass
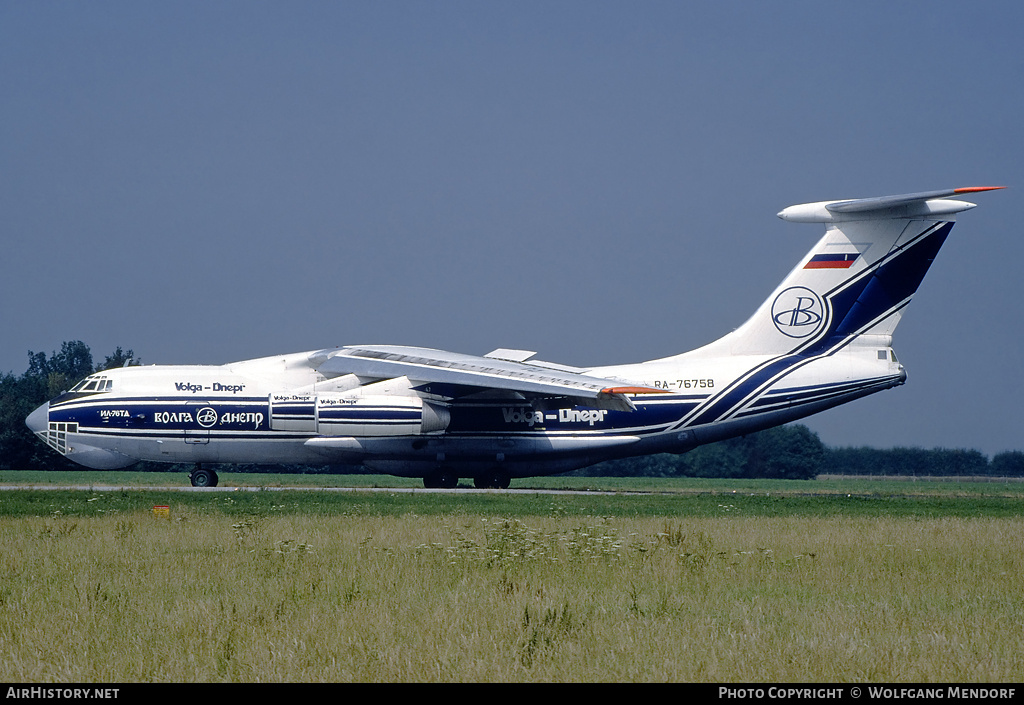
[
  {"x": 468, "y": 597},
  {"x": 825, "y": 484}
]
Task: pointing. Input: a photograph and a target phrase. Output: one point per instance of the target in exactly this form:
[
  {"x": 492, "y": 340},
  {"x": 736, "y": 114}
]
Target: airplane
[{"x": 822, "y": 338}]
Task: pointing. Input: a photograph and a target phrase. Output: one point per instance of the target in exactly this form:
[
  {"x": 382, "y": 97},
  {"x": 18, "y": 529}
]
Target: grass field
[
  {"x": 826, "y": 484},
  {"x": 703, "y": 581}
]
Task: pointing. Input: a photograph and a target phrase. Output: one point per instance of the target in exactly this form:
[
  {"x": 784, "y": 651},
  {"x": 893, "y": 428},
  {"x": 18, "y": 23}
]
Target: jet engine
[{"x": 360, "y": 416}]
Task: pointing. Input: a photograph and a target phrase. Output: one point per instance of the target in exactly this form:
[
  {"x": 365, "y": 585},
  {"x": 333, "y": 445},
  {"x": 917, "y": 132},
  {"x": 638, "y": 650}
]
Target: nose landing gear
[{"x": 201, "y": 477}]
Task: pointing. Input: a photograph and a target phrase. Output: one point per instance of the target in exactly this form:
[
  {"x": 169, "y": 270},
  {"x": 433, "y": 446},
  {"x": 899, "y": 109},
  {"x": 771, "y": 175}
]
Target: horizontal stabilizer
[{"x": 927, "y": 204}]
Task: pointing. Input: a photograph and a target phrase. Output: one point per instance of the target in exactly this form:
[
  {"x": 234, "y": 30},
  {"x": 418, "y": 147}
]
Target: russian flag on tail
[{"x": 832, "y": 261}]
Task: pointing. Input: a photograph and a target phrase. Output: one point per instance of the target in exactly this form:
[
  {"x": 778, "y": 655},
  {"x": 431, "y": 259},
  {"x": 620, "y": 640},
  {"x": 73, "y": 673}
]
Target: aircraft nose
[{"x": 39, "y": 420}]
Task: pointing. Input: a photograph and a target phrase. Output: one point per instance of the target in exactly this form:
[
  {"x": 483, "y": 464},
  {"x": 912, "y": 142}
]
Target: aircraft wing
[{"x": 425, "y": 365}]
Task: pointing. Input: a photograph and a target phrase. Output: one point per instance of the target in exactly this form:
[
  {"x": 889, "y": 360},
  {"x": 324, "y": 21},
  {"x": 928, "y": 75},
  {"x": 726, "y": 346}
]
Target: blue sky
[{"x": 597, "y": 181}]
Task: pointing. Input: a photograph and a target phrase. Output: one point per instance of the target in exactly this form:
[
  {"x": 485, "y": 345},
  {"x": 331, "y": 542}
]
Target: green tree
[
  {"x": 787, "y": 452},
  {"x": 722, "y": 459},
  {"x": 1008, "y": 464},
  {"x": 119, "y": 358},
  {"x": 62, "y": 370},
  {"x": 45, "y": 378},
  {"x": 792, "y": 452}
]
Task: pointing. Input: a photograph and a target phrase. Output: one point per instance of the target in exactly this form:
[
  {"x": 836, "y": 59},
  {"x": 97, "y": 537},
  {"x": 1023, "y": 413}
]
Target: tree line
[
  {"x": 795, "y": 452},
  {"x": 45, "y": 378},
  {"x": 786, "y": 452},
  {"x": 940, "y": 462}
]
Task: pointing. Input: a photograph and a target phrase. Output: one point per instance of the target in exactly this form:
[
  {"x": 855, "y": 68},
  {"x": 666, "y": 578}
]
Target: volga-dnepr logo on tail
[{"x": 798, "y": 312}]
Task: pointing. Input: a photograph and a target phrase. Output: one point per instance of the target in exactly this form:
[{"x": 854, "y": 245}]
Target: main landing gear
[
  {"x": 445, "y": 478},
  {"x": 494, "y": 480},
  {"x": 441, "y": 479},
  {"x": 201, "y": 477}
]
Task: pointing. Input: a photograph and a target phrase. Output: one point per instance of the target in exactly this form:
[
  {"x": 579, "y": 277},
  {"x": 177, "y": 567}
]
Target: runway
[{"x": 258, "y": 488}]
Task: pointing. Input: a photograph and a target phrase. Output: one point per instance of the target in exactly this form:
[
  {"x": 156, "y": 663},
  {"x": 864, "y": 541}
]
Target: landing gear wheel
[
  {"x": 496, "y": 480},
  {"x": 442, "y": 479},
  {"x": 200, "y": 477}
]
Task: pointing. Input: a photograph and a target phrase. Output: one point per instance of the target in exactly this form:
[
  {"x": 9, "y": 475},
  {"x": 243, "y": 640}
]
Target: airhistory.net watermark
[{"x": 50, "y": 693}]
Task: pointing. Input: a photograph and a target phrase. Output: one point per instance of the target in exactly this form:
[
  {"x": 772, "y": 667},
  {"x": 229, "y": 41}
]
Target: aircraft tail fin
[{"x": 857, "y": 279}]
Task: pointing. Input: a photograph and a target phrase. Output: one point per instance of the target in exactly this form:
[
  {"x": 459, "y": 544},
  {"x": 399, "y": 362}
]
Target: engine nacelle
[{"x": 341, "y": 415}]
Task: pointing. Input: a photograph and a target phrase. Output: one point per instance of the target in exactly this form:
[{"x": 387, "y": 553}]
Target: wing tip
[
  {"x": 632, "y": 390},
  {"x": 977, "y": 189}
]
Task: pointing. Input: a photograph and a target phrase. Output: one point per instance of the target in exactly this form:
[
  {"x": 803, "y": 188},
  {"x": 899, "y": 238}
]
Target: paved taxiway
[{"x": 404, "y": 490}]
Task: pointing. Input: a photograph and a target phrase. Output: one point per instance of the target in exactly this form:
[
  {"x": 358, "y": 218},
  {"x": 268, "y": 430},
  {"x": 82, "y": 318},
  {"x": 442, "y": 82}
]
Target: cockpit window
[{"x": 94, "y": 384}]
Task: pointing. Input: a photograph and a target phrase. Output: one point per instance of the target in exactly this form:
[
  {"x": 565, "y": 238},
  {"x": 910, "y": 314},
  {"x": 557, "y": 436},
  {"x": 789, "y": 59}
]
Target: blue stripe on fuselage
[
  {"x": 891, "y": 283},
  {"x": 855, "y": 305}
]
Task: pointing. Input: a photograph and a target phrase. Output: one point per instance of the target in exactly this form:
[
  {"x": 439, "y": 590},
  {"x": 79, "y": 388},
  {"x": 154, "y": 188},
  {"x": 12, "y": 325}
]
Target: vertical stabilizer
[{"x": 858, "y": 278}]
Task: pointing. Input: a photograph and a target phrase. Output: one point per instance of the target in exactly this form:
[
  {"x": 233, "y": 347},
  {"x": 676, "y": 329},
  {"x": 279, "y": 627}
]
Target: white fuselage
[{"x": 279, "y": 410}]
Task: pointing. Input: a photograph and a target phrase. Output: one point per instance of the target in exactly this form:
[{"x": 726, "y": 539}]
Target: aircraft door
[{"x": 204, "y": 417}]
